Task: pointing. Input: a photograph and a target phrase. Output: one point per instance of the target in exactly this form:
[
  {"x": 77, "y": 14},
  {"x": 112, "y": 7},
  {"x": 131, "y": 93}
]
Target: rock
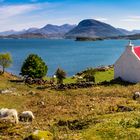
[
  {"x": 15, "y": 94},
  {"x": 122, "y": 108},
  {"x": 136, "y": 95},
  {"x": 73, "y": 124},
  {"x": 6, "y": 91},
  {"x": 40, "y": 135},
  {"x": 42, "y": 103},
  {"x": 32, "y": 93}
]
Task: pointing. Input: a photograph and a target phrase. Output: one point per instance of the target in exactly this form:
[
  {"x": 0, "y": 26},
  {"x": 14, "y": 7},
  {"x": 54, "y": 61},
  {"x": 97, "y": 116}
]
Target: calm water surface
[{"x": 70, "y": 55}]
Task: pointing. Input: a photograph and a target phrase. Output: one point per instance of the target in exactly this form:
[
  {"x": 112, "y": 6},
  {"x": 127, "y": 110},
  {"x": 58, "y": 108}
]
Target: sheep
[
  {"x": 2, "y": 112},
  {"x": 26, "y": 116},
  {"x": 136, "y": 95},
  {"x": 6, "y": 113}
]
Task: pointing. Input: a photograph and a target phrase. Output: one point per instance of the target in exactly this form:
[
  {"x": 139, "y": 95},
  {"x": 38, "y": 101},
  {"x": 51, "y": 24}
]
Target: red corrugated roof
[{"x": 137, "y": 51}]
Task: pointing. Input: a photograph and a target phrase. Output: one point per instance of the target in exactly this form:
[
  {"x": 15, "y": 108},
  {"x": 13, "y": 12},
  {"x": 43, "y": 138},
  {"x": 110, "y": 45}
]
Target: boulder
[
  {"x": 6, "y": 91},
  {"x": 136, "y": 95},
  {"x": 32, "y": 93},
  {"x": 40, "y": 135},
  {"x": 121, "y": 108}
]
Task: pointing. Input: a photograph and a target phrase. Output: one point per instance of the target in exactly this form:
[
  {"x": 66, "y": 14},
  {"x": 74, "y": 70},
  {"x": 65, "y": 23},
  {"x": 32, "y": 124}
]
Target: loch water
[{"x": 72, "y": 56}]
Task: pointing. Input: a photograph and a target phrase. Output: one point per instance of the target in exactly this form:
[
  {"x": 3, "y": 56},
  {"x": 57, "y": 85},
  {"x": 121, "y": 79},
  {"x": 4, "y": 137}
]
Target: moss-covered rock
[{"x": 40, "y": 135}]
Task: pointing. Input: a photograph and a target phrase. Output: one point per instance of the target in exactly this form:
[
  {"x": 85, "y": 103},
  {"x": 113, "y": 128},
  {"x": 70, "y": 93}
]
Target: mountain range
[
  {"x": 86, "y": 28},
  {"x": 48, "y": 31},
  {"x": 126, "y": 32}
]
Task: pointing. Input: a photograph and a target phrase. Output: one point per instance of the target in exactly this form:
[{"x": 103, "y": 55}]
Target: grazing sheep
[
  {"x": 2, "y": 112},
  {"x": 9, "y": 113},
  {"x": 136, "y": 95},
  {"x": 26, "y": 116}
]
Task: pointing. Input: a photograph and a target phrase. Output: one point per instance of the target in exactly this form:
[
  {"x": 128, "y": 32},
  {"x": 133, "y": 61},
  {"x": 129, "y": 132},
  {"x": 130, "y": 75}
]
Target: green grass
[
  {"x": 104, "y": 76},
  {"x": 46, "y": 135},
  {"x": 119, "y": 126},
  {"x": 69, "y": 80},
  {"x": 87, "y": 114},
  {"x": 99, "y": 77}
]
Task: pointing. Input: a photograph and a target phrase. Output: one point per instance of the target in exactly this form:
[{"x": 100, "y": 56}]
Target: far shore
[{"x": 39, "y": 36}]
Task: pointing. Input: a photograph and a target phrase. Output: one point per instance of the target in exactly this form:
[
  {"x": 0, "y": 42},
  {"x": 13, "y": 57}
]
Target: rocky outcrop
[{"x": 40, "y": 135}]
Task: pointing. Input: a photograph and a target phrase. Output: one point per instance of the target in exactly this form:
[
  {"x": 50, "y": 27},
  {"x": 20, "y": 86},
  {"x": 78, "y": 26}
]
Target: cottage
[{"x": 127, "y": 66}]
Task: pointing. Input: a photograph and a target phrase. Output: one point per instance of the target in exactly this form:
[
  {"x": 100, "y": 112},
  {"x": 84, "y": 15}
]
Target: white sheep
[
  {"x": 26, "y": 116},
  {"x": 2, "y": 112},
  {"x": 6, "y": 113}
]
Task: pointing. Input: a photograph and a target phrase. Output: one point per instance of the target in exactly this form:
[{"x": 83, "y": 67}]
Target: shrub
[
  {"x": 60, "y": 75},
  {"x": 5, "y": 61},
  {"x": 34, "y": 67},
  {"x": 89, "y": 75}
]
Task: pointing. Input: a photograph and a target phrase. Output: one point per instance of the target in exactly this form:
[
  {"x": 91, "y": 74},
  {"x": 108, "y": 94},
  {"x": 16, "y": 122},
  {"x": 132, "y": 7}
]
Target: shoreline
[{"x": 128, "y": 37}]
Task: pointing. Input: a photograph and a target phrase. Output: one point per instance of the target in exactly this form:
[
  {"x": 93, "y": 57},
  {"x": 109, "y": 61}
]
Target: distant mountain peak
[
  {"x": 86, "y": 28},
  {"x": 93, "y": 28},
  {"x": 55, "y": 31}
]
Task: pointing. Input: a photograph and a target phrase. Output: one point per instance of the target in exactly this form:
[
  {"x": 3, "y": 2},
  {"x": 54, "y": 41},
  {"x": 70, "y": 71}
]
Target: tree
[
  {"x": 5, "y": 61},
  {"x": 60, "y": 75},
  {"x": 90, "y": 75},
  {"x": 34, "y": 67}
]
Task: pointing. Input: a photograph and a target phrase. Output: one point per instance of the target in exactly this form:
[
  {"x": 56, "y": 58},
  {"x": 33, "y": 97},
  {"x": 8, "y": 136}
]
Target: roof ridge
[{"x": 137, "y": 51}]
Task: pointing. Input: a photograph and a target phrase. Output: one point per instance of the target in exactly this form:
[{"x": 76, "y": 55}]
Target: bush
[
  {"x": 89, "y": 78},
  {"x": 5, "y": 61},
  {"x": 34, "y": 67},
  {"x": 89, "y": 75},
  {"x": 60, "y": 75}
]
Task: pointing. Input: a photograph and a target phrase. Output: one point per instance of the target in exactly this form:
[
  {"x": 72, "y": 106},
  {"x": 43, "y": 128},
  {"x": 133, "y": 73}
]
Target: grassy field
[
  {"x": 81, "y": 114},
  {"x": 104, "y": 76},
  {"x": 99, "y": 77}
]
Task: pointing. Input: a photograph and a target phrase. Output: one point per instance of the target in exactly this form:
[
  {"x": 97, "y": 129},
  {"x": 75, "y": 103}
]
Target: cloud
[
  {"x": 20, "y": 16},
  {"x": 101, "y": 19},
  {"x": 11, "y": 16},
  {"x": 10, "y": 11},
  {"x": 131, "y": 19}
]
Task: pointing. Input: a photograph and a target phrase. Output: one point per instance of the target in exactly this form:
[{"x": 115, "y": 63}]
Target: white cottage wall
[{"x": 128, "y": 66}]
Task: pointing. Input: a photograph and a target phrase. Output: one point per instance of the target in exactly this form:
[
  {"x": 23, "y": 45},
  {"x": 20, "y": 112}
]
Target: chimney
[{"x": 130, "y": 45}]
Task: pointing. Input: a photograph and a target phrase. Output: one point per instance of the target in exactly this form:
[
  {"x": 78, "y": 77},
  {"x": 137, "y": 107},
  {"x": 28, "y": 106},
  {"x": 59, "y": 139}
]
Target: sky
[{"x": 23, "y": 14}]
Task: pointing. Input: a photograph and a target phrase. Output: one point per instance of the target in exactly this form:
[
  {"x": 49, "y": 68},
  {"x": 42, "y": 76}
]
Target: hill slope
[
  {"x": 93, "y": 28},
  {"x": 126, "y": 32},
  {"x": 86, "y": 113}
]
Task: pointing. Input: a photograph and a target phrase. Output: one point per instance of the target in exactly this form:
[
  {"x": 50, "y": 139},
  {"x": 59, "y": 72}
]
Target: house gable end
[{"x": 128, "y": 66}]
